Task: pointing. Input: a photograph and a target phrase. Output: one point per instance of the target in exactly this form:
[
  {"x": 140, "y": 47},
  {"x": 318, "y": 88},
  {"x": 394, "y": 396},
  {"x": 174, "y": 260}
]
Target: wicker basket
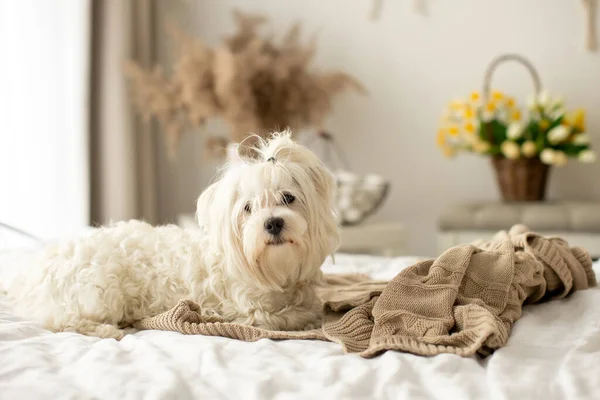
[
  {"x": 356, "y": 197},
  {"x": 523, "y": 179}
]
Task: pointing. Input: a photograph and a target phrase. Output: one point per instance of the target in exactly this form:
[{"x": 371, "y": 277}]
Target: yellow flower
[
  {"x": 441, "y": 138},
  {"x": 497, "y": 96},
  {"x": 453, "y": 130},
  {"x": 468, "y": 112},
  {"x": 510, "y": 102},
  {"x": 456, "y": 105},
  {"x": 576, "y": 119},
  {"x": 470, "y": 127},
  {"x": 515, "y": 115},
  {"x": 489, "y": 111},
  {"x": 475, "y": 97},
  {"x": 580, "y": 120},
  {"x": 491, "y": 107}
]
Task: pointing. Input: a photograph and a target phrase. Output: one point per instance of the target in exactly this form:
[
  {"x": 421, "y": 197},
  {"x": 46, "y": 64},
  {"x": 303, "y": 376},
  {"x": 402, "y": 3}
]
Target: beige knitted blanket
[{"x": 463, "y": 302}]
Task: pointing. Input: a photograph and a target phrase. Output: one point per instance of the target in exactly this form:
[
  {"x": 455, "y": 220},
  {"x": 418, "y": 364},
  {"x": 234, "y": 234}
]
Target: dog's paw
[{"x": 107, "y": 331}]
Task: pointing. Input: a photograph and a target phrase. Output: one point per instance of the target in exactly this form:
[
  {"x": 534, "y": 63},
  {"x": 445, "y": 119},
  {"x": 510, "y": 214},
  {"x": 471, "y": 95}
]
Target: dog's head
[{"x": 270, "y": 217}]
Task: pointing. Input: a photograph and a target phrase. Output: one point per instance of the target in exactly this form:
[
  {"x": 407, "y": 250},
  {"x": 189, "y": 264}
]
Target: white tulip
[
  {"x": 587, "y": 156},
  {"x": 528, "y": 149},
  {"x": 560, "y": 158},
  {"x": 547, "y": 156},
  {"x": 558, "y": 134},
  {"x": 558, "y": 103},
  {"x": 557, "y": 113},
  {"x": 544, "y": 98},
  {"x": 581, "y": 139},
  {"x": 515, "y": 130},
  {"x": 510, "y": 150}
]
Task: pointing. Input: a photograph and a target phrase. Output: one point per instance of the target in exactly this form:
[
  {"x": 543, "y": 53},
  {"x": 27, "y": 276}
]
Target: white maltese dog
[{"x": 267, "y": 226}]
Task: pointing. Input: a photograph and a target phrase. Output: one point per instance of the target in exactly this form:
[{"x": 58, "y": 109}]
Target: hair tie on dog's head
[{"x": 271, "y": 159}]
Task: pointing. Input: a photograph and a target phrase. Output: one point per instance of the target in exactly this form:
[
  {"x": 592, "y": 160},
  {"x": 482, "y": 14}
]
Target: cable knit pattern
[{"x": 464, "y": 302}]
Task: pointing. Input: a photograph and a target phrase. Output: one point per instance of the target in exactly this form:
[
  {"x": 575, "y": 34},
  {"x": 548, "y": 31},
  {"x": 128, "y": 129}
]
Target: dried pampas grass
[{"x": 253, "y": 83}]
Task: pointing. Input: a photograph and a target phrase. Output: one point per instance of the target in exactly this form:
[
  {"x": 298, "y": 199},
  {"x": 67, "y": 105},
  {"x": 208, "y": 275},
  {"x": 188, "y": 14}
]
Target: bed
[{"x": 553, "y": 353}]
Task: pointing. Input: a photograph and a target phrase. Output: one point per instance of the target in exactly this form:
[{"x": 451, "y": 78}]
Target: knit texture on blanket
[{"x": 464, "y": 302}]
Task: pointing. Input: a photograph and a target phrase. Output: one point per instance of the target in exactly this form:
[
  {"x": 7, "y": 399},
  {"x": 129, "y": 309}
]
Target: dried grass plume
[{"x": 254, "y": 83}]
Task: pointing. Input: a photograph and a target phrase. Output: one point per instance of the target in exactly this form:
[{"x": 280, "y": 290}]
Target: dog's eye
[
  {"x": 288, "y": 198},
  {"x": 247, "y": 208}
]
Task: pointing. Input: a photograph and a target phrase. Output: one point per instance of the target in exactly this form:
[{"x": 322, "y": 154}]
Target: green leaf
[
  {"x": 533, "y": 130},
  {"x": 495, "y": 150},
  {"x": 540, "y": 141},
  {"x": 556, "y": 123},
  {"x": 498, "y": 131},
  {"x": 571, "y": 149},
  {"x": 483, "y": 130}
]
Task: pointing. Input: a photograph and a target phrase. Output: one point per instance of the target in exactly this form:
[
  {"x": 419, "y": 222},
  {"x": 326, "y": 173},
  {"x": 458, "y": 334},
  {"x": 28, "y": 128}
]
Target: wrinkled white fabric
[{"x": 553, "y": 353}]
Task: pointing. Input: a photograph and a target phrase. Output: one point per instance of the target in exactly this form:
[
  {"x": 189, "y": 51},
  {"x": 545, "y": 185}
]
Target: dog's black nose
[{"x": 274, "y": 225}]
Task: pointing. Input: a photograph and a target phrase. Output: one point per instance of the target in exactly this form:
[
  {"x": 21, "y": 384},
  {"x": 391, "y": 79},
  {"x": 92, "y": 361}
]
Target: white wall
[{"x": 413, "y": 65}]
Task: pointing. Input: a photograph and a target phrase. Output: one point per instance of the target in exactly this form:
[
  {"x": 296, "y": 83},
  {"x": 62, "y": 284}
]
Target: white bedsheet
[{"x": 553, "y": 353}]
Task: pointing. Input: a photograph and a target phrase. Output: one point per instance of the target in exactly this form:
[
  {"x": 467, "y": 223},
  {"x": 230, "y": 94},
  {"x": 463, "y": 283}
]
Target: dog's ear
[
  {"x": 323, "y": 180},
  {"x": 203, "y": 205},
  {"x": 325, "y": 185}
]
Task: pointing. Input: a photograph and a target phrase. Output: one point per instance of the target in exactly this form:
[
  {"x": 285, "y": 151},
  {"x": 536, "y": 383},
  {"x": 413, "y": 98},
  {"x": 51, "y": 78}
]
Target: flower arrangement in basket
[
  {"x": 356, "y": 197},
  {"x": 522, "y": 146}
]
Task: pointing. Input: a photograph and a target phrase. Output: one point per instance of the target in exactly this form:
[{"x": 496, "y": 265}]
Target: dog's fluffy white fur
[{"x": 101, "y": 283}]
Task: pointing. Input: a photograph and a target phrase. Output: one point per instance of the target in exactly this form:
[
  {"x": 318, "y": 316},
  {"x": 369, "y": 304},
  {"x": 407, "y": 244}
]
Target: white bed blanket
[{"x": 553, "y": 353}]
